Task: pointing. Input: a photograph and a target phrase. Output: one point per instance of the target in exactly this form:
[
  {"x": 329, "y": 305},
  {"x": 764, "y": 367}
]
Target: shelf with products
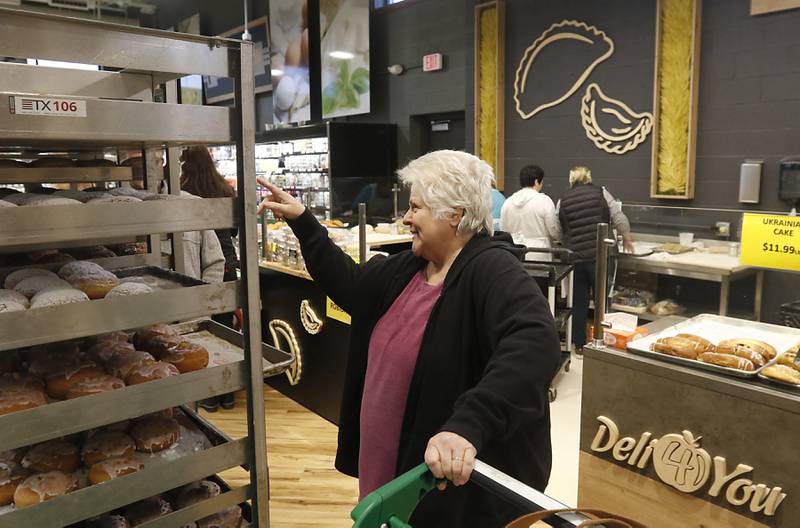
[{"x": 155, "y": 57}]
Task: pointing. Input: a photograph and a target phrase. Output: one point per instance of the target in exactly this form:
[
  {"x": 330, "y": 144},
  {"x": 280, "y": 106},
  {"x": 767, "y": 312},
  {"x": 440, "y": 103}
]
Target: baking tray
[
  {"x": 226, "y": 345},
  {"x": 716, "y": 328},
  {"x": 155, "y": 277}
]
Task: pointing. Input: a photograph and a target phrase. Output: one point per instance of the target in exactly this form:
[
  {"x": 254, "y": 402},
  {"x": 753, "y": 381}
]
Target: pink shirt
[{"x": 393, "y": 349}]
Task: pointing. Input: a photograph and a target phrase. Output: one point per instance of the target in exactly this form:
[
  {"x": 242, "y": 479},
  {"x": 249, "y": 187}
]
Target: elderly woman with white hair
[{"x": 452, "y": 345}]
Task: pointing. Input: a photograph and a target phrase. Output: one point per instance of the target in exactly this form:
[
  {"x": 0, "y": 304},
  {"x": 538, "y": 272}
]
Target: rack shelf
[
  {"x": 111, "y": 122},
  {"x": 120, "y": 113},
  {"x": 66, "y": 175},
  {"x": 109, "y": 220},
  {"x": 69, "y": 321},
  {"x": 158, "y": 478}
]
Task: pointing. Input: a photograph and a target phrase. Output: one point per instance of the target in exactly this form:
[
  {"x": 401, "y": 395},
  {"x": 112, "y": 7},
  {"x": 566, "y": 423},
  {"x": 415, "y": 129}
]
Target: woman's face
[{"x": 430, "y": 236}]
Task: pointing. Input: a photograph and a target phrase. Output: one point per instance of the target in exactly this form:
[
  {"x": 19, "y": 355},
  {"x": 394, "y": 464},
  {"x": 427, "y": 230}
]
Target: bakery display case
[{"x": 80, "y": 113}]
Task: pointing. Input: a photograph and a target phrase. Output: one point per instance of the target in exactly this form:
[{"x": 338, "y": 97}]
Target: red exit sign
[{"x": 432, "y": 62}]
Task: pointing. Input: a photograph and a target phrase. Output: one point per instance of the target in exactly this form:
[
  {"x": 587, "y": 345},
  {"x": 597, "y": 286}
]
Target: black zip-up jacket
[{"x": 488, "y": 355}]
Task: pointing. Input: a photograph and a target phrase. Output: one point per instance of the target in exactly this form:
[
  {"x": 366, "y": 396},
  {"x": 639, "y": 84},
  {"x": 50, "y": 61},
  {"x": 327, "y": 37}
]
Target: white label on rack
[{"x": 47, "y": 106}]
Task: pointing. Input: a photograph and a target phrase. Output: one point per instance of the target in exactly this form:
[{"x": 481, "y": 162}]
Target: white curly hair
[{"x": 447, "y": 180}]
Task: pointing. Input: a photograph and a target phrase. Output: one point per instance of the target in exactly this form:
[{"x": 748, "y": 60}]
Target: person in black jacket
[
  {"x": 452, "y": 346},
  {"x": 579, "y": 211}
]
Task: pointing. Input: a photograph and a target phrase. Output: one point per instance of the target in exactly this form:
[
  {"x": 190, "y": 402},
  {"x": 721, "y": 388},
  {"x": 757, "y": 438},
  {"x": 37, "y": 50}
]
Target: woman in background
[{"x": 200, "y": 177}]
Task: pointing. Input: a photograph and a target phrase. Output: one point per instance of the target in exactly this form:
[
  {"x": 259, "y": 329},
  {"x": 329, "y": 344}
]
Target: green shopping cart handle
[{"x": 391, "y": 505}]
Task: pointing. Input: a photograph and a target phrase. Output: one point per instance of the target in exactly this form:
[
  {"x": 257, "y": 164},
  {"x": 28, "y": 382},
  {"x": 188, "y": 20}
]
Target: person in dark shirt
[{"x": 452, "y": 345}]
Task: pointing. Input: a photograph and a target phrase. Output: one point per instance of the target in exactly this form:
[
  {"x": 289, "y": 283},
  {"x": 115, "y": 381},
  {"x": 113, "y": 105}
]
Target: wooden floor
[{"x": 305, "y": 489}]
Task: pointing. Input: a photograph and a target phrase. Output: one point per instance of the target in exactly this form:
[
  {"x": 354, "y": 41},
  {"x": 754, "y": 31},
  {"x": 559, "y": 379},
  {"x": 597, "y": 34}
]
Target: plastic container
[{"x": 686, "y": 238}]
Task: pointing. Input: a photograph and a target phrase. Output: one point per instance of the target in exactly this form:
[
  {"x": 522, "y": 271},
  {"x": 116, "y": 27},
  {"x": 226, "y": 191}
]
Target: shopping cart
[
  {"x": 391, "y": 505},
  {"x": 554, "y": 277}
]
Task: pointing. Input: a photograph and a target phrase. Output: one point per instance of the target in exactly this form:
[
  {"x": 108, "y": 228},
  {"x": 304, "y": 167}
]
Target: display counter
[
  {"x": 298, "y": 317},
  {"x": 672, "y": 446},
  {"x": 696, "y": 264}
]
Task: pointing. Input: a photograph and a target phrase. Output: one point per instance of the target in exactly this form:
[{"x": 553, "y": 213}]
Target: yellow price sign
[
  {"x": 333, "y": 311},
  {"x": 771, "y": 241}
]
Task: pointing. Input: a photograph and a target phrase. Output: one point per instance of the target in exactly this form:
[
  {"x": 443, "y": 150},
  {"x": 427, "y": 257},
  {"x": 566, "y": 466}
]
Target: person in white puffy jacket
[{"x": 529, "y": 215}]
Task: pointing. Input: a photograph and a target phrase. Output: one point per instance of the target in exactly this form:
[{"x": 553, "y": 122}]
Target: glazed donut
[
  {"x": 11, "y": 296},
  {"x": 58, "y": 384},
  {"x": 11, "y": 474},
  {"x": 106, "y": 444},
  {"x": 142, "y": 338},
  {"x": 18, "y": 400},
  {"x": 186, "y": 356},
  {"x": 230, "y": 518},
  {"x": 151, "y": 372},
  {"x": 95, "y": 285},
  {"x": 197, "y": 492},
  {"x": 17, "y": 381},
  {"x": 123, "y": 362},
  {"x": 116, "y": 337},
  {"x": 18, "y": 276},
  {"x": 53, "y": 455},
  {"x": 109, "y": 521},
  {"x": 33, "y": 285},
  {"x": 129, "y": 288},
  {"x": 57, "y": 297},
  {"x": 147, "y": 510},
  {"x": 155, "y": 433},
  {"x": 13, "y": 455},
  {"x": 47, "y": 351},
  {"x": 44, "y": 486},
  {"x": 9, "y": 362},
  {"x": 160, "y": 344},
  {"x": 114, "y": 467},
  {"x": 96, "y": 385},
  {"x": 104, "y": 351}
]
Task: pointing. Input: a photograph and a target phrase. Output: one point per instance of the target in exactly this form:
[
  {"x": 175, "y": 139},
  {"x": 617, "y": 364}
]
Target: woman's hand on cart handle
[
  {"x": 281, "y": 203},
  {"x": 450, "y": 456}
]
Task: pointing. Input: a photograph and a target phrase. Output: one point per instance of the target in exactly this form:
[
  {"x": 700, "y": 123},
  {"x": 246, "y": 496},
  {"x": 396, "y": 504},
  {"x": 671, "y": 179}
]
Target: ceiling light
[
  {"x": 344, "y": 55},
  {"x": 276, "y": 73}
]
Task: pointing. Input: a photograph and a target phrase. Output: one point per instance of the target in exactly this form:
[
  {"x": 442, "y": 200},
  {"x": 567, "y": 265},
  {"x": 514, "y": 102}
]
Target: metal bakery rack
[{"x": 112, "y": 108}]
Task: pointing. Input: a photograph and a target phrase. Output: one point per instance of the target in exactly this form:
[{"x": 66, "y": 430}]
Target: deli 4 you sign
[{"x": 680, "y": 462}]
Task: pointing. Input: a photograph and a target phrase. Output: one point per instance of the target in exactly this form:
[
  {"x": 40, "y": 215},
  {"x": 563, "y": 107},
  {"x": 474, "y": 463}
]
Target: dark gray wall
[
  {"x": 749, "y": 104},
  {"x": 402, "y": 35}
]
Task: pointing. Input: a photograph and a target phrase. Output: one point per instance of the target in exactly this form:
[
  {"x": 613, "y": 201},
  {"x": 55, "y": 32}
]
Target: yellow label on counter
[
  {"x": 771, "y": 241},
  {"x": 333, "y": 311}
]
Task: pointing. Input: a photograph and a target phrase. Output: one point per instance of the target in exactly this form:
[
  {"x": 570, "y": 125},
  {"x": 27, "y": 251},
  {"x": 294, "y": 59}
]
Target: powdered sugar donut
[
  {"x": 116, "y": 199},
  {"x": 95, "y": 283},
  {"x": 10, "y": 306},
  {"x": 54, "y": 455},
  {"x": 4, "y": 203},
  {"x": 33, "y": 285},
  {"x": 80, "y": 267},
  {"x": 18, "y": 276},
  {"x": 15, "y": 297},
  {"x": 39, "y": 201},
  {"x": 129, "y": 288},
  {"x": 58, "y": 296},
  {"x": 20, "y": 198}
]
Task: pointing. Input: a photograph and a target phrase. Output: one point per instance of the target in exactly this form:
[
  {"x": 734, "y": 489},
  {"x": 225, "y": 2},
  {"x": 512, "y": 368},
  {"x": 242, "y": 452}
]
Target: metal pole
[
  {"x": 242, "y": 70},
  {"x": 173, "y": 154},
  {"x": 601, "y": 283},
  {"x": 395, "y": 192},
  {"x": 362, "y": 233}
]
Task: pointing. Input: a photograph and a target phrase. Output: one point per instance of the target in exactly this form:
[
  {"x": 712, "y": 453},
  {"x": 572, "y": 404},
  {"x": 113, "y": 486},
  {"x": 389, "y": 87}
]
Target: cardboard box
[{"x": 623, "y": 330}]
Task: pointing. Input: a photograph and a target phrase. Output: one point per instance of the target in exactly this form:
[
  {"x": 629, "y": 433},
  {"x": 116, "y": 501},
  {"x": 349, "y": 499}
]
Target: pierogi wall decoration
[
  {"x": 288, "y": 31},
  {"x": 609, "y": 123},
  {"x": 344, "y": 47}
]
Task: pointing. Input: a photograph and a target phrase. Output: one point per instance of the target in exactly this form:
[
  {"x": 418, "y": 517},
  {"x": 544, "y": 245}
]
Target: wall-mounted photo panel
[
  {"x": 344, "y": 38},
  {"x": 288, "y": 27},
  {"x": 221, "y": 88}
]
